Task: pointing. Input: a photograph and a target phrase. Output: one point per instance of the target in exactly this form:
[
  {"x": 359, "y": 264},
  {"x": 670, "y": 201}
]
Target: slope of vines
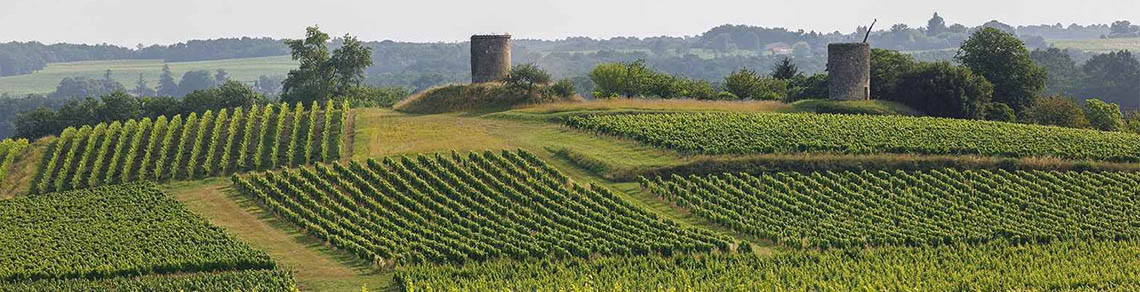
[
  {"x": 1062, "y": 266},
  {"x": 248, "y": 280},
  {"x": 453, "y": 209},
  {"x": 176, "y": 148},
  {"x": 854, "y": 209},
  {"x": 741, "y": 133},
  {"x": 125, "y": 230},
  {"x": 10, "y": 150}
]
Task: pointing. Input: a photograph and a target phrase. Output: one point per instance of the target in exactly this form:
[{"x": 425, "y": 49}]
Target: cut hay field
[
  {"x": 1099, "y": 45},
  {"x": 127, "y": 72}
]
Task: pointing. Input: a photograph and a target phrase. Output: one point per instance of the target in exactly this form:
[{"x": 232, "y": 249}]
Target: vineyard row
[
  {"x": 913, "y": 208},
  {"x": 454, "y": 209},
  {"x": 210, "y": 144}
]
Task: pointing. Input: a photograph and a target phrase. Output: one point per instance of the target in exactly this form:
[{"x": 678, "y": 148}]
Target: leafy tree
[
  {"x": 1061, "y": 69},
  {"x": 1113, "y": 77},
  {"x": 1003, "y": 60},
  {"x": 935, "y": 25},
  {"x": 944, "y": 90},
  {"x": 36, "y": 123},
  {"x": 1103, "y": 116},
  {"x": 268, "y": 85},
  {"x": 785, "y": 69},
  {"x": 84, "y": 87},
  {"x": 698, "y": 89},
  {"x": 746, "y": 84},
  {"x": 1057, "y": 111},
  {"x": 118, "y": 106},
  {"x": 230, "y": 95},
  {"x": 563, "y": 88},
  {"x": 622, "y": 79},
  {"x": 811, "y": 87},
  {"x": 527, "y": 77},
  {"x": 322, "y": 75},
  {"x": 195, "y": 80},
  {"x": 887, "y": 69},
  {"x": 166, "y": 84},
  {"x": 161, "y": 105},
  {"x": 349, "y": 62},
  {"x": 1123, "y": 28},
  {"x": 999, "y": 112}
]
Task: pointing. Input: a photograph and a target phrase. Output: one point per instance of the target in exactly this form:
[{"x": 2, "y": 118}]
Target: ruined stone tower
[
  {"x": 849, "y": 71},
  {"x": 490, "y": 57}
]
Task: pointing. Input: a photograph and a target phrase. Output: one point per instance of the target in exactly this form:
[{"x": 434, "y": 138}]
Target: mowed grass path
[
  {"x": 127, "y": 72},
  {"x": 317, "y": 267}
]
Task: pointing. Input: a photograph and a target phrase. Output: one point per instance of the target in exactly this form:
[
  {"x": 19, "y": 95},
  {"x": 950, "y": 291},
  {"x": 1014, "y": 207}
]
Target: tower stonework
[
  {"x": 490, "y": 57},
  {"x": 849, "y": 71}
]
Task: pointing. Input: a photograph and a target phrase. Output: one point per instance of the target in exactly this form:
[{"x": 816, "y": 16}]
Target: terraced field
[{"x": 743, "y": 133}]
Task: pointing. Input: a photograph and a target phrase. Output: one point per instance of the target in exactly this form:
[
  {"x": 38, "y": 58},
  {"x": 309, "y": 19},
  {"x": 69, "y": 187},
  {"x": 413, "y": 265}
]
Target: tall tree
[
  {"x": 785, "y": 69},
  {"x": 320, "y": 75},
  {"x": 195, "y": 80},
  {"x": 166, "y": 84},
  {"x": 1062, "y": 70},
  {"x": 935, "y": 25},
  {"x": 142, "y": 88},
  {"x": 1113, "y": 77},
  {"x": 349, "y": 62},
  {"x": 1004, "y": 61}
]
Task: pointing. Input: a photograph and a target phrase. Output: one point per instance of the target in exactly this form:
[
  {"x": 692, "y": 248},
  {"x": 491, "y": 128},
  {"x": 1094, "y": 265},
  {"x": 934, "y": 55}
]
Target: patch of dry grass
[{"x": 23, "y": 170}]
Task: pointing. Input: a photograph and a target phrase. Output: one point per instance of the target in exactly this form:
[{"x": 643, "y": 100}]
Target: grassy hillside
[
  {"x": 1099, "y": 45},
  {"x": 127, "y": 72},
  {"x": 349, "y": 245}
]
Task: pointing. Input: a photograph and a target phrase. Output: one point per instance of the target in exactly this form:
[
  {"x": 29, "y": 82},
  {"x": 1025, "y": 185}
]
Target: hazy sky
[{"x": 130, "y": 22}]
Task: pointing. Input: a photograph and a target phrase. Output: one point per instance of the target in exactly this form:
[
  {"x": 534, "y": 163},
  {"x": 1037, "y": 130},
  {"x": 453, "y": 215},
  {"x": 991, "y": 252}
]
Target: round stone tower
[
  {"x": 490, "y": 57},
  {"x": 849, "y": 71}
]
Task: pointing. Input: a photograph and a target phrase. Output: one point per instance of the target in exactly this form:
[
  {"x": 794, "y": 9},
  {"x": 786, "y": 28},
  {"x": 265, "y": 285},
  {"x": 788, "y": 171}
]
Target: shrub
[
  {"x": 725, "y": 95},
  {"x": 999, "y": 112},
  {"x": 527, "y": 77},
  {"x": 563, "y": 88},
  {"x": 697, "y": 89},
  {"x": 1103, "y": 116},
  {"x": 1057, "y": 111},
  {"x": 811, "y": 87},
  {"x": 944, "y": 90}
]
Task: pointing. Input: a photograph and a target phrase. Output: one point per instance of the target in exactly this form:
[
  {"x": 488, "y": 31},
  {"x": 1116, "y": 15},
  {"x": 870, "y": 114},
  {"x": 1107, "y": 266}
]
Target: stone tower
[
  {"x": 849, "y": 71},
  {"x": 490, "y": 57}
]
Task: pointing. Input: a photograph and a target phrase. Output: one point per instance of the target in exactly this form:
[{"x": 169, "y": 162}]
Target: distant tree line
[
  {"x": 18, "y": 58},
  {"x": 80, "y": 101}
]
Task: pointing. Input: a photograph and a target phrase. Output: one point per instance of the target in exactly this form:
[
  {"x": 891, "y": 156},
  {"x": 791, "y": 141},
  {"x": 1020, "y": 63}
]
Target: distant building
[{"x": 490, "y": 58}]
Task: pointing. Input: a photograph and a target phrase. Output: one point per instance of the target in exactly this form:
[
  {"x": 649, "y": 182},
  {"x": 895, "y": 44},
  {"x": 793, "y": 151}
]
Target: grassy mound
[{"x": 474, "y": 98}]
